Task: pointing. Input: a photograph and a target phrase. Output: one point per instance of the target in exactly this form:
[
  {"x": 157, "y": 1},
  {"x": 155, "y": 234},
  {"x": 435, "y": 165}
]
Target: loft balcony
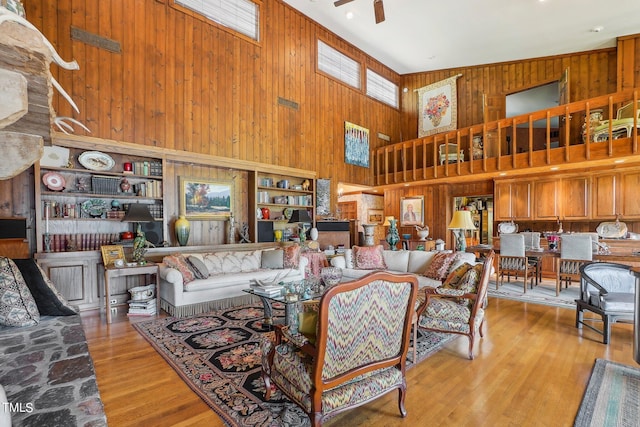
[{"x": 542, "y": 141}]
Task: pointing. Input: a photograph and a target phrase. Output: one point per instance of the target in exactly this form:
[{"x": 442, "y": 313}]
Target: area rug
[
  {"x": 612, "y": 397},
  {"x": 544, "y": 293},
  {"x": 218, "y": 355}
]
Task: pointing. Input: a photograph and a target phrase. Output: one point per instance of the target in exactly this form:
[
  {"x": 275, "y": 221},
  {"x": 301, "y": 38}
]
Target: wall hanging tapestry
[
  {"x": 438, "y": 107},
  {"x": 356, "y": 145}
]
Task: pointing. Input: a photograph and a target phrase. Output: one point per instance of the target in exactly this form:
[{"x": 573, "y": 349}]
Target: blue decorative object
[{"x": 392, "y": 236}]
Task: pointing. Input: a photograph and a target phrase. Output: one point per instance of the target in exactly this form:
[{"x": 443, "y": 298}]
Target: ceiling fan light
[{"x": 378, "y": 9}]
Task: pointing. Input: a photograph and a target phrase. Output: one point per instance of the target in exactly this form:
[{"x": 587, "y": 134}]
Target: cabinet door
[
  {"x": 629, "y": 195},
  {"x": 604, "y": 196},
  {"x": 521, "y": 200},
  {"x": 547, "y": 196},
  {"x": 74, "y": 280},
  {"x": 575, "y": 198},
  {"x": 502, "y": 200}
]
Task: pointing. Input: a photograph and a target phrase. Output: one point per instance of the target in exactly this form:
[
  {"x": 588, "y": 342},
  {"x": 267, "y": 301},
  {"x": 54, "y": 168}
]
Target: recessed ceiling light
[
  {"x": 555, "y": 168},
  {"x": 597, "y": 29},
  {"x": 503, "y": 174},
  {"x": 349, "y": 15},
  {"x": 619, "y": 161}
]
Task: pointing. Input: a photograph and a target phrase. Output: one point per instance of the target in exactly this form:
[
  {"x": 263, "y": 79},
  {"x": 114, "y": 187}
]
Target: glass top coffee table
[{"x": 290, "y": 302}]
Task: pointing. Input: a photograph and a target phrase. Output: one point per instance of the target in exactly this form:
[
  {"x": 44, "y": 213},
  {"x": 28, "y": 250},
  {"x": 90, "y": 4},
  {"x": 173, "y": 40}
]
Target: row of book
[
  {"x": 77, "y": 242},
  {"x": 152, "y": 168},
  {"x": 148, "y": 189}
]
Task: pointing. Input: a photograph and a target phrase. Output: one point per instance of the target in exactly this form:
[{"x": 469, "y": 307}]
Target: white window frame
[
  {"x": 382, "y": 89},
  {"x": 242, "y": 16},
  {"x": 338, "y": 65}
]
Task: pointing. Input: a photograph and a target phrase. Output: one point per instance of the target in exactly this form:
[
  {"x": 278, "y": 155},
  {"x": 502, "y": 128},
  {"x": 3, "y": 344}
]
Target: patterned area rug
[
  {"x": 611, "y": 398},
  {"x": 218, "y": 355},
  {"x": 544, "y": 293}
]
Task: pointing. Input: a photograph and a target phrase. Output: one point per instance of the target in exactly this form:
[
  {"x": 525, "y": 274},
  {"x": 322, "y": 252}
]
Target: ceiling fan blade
[
  {"x": 378, "y": 9},
  {"x": 341, "y": 2}
]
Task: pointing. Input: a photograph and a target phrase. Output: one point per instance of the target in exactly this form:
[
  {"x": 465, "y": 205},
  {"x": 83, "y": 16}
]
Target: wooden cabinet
[
  {"x": 279, "y": 195},
  {"x": 546, "y": 199},
  {"x": 630, "y": 186},
  {"x": 574, "y": 198},
  {"x": 605, "y": 196},
  {"x": 512, "y": 200},
  {"x": 81, "y": 207}
]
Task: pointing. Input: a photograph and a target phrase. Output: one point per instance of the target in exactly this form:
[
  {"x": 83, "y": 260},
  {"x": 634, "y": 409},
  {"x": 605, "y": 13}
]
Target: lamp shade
[
  {"x": 138, "y": 212},
  {"x": 462, "y": 221},
  {"x": 300, "y": 215},
  {"x": 387, "y": 219}
]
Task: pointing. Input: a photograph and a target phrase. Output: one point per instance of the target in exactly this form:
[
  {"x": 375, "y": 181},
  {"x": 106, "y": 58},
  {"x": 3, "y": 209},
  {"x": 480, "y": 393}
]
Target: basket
[{"x": 141, "y": 293}]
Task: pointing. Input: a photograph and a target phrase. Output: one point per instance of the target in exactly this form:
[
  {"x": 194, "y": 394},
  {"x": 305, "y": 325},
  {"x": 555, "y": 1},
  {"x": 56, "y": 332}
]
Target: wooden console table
[{"x": 150, "y": 269}]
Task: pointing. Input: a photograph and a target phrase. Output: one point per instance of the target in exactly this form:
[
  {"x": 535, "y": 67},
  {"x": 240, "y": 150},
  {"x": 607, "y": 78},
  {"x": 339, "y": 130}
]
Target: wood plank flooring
[{"x": 531, "y": 368}]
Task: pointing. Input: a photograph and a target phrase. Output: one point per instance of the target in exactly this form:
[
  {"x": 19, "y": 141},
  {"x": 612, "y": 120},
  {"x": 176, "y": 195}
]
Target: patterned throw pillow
[
  {"x": 199, "y": 269},
  {"x": 439, "y": 265},
  {"x": 469, "y": 282},
  {"x": 454, "y": 277},
  {"x": 17, "y": 306},
  {"x": 368, "y": 258},
  {"x": 291, "y": 256},
  {"x": 179, "y": 262}
]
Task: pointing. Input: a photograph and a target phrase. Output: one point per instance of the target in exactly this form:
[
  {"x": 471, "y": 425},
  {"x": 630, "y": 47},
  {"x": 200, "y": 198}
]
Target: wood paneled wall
[
  {"x": 181, "y": 82},
  {"x": 590, "y": 74}
]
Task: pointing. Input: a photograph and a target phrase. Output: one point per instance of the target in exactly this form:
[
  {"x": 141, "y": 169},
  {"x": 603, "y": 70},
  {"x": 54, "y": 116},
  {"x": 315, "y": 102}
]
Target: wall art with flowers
[{"x": 438, "y": 107}]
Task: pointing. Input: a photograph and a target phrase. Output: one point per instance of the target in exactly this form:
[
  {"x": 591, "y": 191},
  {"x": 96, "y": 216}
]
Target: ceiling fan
[{"x": 378, "y": 8}]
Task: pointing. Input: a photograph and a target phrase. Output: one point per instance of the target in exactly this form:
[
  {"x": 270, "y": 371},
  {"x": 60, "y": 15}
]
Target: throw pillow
[
  {"x": 17, "y": 306},
  {"x": 49, "y": 300},
  {"x": 291, "y": 256},
  {"x": 198, "y": 267},
  {"x": 469, "y": 282},
  {"x": 273, "y": 259},
  {"x": 439, "y": 266},
  {"x": 454, "y": 277},
  {"x": 368, "y": 258},
  {"x": 179, "y": 262}
]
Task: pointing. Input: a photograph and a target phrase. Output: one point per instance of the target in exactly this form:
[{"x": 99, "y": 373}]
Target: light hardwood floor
[{"x": 531, "y": 369}]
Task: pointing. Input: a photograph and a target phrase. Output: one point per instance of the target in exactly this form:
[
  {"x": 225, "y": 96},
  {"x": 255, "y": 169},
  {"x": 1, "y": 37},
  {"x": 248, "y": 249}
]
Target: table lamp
[
  {"x": 138, "y": 212},
  {"x": 460, "y": 222},
  {"x": 302, "y": 218},
  {"x": 392, "y": 237}
]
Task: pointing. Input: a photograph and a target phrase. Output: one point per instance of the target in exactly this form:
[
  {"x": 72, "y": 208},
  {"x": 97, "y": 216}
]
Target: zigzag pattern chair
[
  {"x": 458, "y": 307},
  {"x": 360, "y": 349}
]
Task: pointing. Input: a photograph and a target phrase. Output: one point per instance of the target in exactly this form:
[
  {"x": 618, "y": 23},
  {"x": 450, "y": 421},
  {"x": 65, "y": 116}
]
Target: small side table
[{"x": 150, "y": 269}]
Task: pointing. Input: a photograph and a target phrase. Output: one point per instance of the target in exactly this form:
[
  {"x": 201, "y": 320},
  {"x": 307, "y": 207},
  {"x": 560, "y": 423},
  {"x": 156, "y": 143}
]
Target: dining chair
[
  {"x": 532, "y": 243},
  {"x": 575, "y": 251},
  {"x": 513, "y": 261}
]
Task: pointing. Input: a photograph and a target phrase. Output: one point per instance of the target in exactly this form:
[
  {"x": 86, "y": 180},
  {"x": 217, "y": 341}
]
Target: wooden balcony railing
[{"x": 542, "y": 139}]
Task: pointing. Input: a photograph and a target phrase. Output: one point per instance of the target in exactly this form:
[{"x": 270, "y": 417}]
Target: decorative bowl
[
  {"x": 406, "y": 236},
  {"x": 331, "y": 275}
]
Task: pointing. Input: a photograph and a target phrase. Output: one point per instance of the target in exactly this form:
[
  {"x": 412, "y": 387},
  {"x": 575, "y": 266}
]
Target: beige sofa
[
  {"x": 227, "y": 274},
  {"x": 416, "y": 262}
]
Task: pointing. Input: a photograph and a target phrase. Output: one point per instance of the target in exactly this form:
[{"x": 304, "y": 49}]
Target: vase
[
  {"x": 313, "y": 233},
  {"x": 392, "y": 237},
  {"x": 182, "y": 230}
]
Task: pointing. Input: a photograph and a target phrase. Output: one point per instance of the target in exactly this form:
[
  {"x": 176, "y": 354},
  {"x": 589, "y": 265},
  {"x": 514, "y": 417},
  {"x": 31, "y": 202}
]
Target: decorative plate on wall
[
  {"x": 94, "y": 207},
  {"x": 612, "y": 230},
  {"x": 54, "y": 181},
  {"x": 96, "y": 161},
  {"x": 507, "y": 227}
]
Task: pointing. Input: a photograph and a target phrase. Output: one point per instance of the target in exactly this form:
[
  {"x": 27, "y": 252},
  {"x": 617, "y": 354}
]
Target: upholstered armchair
[
  {"x": 449, "y": 153},
  {"x": 608, "y": 290},
  {"x": 360, "y": 349},
  {"x": 458, "y": 305}
]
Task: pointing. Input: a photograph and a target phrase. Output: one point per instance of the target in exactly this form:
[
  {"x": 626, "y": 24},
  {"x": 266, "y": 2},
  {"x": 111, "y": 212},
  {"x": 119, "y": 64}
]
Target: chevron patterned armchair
[{"x": 358, "y": 353}]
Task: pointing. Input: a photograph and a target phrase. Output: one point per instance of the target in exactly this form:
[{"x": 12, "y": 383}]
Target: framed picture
[
  {"x": 412, "y": 211},
  {"x": 356, "y": 145},
  {"x": 201, "y": 198},
  {"x": 375, "y": 216},
  {"x": 111, "y": 254}
]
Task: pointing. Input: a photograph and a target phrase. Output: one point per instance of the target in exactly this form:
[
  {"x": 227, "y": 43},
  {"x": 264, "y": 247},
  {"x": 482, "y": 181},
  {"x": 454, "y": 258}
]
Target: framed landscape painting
[{"x": 201, "y": 198}]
